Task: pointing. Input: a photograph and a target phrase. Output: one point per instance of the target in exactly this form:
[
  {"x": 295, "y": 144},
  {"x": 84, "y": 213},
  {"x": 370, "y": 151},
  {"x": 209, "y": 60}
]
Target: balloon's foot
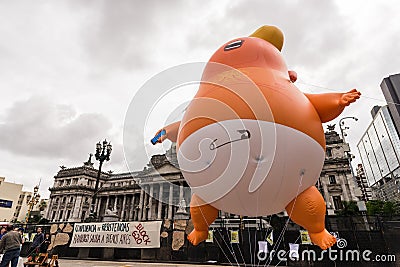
[
  {"x": 195, "y": 237},
  {"x": 323, "y": 239}
]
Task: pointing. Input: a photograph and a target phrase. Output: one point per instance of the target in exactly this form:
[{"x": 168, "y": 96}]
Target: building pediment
[{"x": 164, "y": 170}]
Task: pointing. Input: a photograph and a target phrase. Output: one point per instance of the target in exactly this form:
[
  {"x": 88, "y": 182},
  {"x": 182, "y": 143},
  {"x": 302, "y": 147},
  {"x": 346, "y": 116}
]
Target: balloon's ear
[
  {"x": 292, "y": 76},
  {"x": 270, "y": 34}
]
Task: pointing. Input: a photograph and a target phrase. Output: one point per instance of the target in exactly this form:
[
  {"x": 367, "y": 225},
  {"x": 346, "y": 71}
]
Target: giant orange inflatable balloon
[{"x": 250, "y": 143}]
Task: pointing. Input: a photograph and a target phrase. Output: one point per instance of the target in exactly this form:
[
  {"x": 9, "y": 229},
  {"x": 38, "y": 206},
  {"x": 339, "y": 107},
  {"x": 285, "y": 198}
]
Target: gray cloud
[
  {"x": 313, "y": 32},
  {"x": 127, "y": 34},
  {"x": 39, "y": 128}
]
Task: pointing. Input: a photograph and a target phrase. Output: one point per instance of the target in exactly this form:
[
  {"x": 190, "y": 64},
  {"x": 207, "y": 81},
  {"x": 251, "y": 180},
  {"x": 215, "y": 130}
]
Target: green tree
[
  {"x": 382, "y": 208},
  {"x": 374, "y": 207},
  {"x": 389, "y": 209},
  {"x": 349, "y": 208}
]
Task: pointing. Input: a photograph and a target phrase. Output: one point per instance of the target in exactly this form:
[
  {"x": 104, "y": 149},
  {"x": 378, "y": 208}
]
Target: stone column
[
  {"x": 122, "y": 215},
  {"x": 49, "y": 207},
  {"x": 145, "y": 201},
  {"x": 58, "y": 209},
  {"x": 107, "y": 202},
  {"x": 65, "y": 210},
  {"x": 160, "y": 198},
  {"x": 99, "y": 207},
  {"x": 115, "y": 204},
  {"x": 180, "y": 192},
  {"x": 170, "y": 201},
  {"x": 77, "y": 209},
  {"x": 95, "y": 204},
  {"x": 352, "y": 187},
  {"x": 140, "y": 210},
  {"x": 344, "y": 189},
  {"x": 326, "y": 192},
  {"x": 150, "y": 203},
  {"x": 132, "y": 209}
]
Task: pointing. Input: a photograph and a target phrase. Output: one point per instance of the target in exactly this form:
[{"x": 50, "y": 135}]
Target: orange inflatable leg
[
  {"x": 308, "y": 210},
  {"x": 202, "y": 216}
]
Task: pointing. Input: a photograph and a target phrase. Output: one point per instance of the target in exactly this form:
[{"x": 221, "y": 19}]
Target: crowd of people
[{"x": 11, "y": 240}]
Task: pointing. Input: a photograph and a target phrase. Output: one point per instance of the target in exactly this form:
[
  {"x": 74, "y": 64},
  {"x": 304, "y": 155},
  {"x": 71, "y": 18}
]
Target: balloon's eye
[{"x": 233, "y": 45}]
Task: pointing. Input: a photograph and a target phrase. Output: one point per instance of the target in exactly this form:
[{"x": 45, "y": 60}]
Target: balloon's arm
[
  {"x": 168, "y": 132},
  {"x": 330, "y": 105}
]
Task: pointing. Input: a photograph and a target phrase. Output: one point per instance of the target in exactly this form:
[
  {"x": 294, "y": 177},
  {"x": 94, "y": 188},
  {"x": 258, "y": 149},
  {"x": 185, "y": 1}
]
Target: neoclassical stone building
[
  {"x": 337, "y": 182},
  {"x": 131, "y": 196}
]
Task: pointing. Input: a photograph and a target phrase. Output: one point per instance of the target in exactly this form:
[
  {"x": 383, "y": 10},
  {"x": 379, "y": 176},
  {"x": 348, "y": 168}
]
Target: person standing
[
  {"x": 45, "y": 243},
  {"x": 11, "y": 244},
  {"x": 37, "y": 241},
  {"x": 3, "y": 231}
]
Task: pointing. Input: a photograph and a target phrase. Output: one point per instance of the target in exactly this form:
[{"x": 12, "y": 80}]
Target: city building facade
[
  {"x": 379, "y": 150},
  {"x": 362, "y": 182},
  {"x": 337, "y": 182},
  {"x": 391, "y": 90},
  {"x": 22, "y": 207},
  {"x": 151, "y": 194},
  {"x": 13, "y": 200}
]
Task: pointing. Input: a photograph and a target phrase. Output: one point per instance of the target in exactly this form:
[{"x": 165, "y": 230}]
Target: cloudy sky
[{"x": 69, "y": 69}]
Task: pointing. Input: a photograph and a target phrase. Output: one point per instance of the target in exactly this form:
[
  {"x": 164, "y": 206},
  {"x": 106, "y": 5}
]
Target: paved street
[{"x": 87, "y": 263}]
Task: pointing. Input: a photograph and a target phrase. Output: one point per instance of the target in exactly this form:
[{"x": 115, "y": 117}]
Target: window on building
[
  {"x": 329, "y": 152},
  {"x": 68, "y": 214},
  {"x": 337, "y": 202},
  {"x": 86, "y": 199},
  {"x": 332, "y": 179},
  {"x": 71, "y": 199},
  {"x": 53, "y": 216},
  {"x": 61, "y": 215},
  {"x": 64, "y": 199}
]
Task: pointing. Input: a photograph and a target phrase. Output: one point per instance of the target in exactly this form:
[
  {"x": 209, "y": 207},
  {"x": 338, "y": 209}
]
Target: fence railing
[{"x": 378, "y": 234}]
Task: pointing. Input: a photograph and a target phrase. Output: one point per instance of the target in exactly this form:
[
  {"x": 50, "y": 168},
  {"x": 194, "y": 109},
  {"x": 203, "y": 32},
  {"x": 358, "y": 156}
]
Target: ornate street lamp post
[
  {"x": 103, "y": 153},
  {"x": 342, "y": 129},
  {"x": 31, "y": 202}
]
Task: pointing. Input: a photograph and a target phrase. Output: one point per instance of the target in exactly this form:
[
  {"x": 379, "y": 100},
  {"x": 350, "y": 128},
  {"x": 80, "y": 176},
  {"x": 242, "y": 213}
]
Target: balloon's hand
[
  {"x": 349, "y": 97},
  {"x": 160, "y": 136},
  {"x": 292, "y": 76}
]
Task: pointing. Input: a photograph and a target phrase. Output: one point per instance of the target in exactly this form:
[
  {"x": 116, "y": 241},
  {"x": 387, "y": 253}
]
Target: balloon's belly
[{"x": 250, "y": 167}]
